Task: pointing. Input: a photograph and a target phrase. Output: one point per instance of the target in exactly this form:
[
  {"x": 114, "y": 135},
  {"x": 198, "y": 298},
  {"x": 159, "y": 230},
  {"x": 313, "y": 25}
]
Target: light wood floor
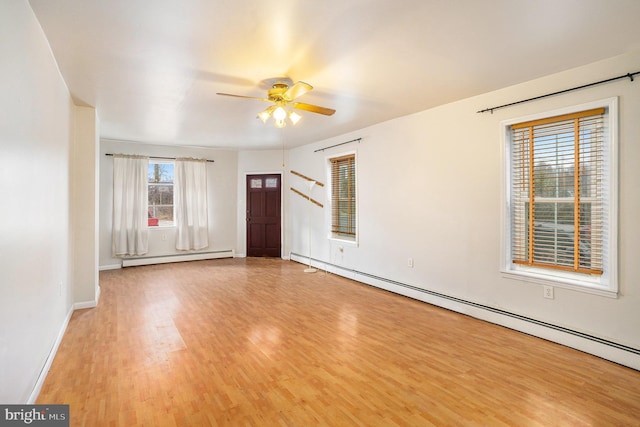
[{"x": 257, "y": 342}]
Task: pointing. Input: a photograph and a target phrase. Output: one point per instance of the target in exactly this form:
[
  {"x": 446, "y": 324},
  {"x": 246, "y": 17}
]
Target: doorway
[{"x": 263, "y": 215}]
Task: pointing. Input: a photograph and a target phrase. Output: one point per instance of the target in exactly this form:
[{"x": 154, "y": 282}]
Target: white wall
[
  {"x": 221, "y": 185},
  {"x": 261, "y": 162},
  {"x": 227, "y": 202},
  {"x": 429, "y": 188},
  {"x": 36, "y": 127},
  {"x": 84, "y": 207}
]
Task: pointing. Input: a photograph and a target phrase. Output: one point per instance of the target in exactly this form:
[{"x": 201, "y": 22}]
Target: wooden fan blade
[
  {"x": 313, "y": 108},
  {"x": 246, "y": 97},
  {"x": 298, "y": 89}
]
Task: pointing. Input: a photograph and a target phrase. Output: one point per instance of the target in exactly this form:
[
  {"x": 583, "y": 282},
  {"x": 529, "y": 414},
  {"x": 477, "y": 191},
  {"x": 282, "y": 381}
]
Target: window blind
[
  {"x": 343, "y": 195},
  {"x": 557, "y": 192}
]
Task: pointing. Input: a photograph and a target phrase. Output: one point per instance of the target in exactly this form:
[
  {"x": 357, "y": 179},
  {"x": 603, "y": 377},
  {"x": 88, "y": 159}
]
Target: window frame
[
  {"x": 338, "y": 237},
  {"x": 153, "y": 161},
  {"x": 605, "y": 284}
]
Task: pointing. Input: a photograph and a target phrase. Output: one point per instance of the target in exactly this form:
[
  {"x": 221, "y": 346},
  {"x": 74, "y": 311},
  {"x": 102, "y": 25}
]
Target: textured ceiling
[{"x": 152, "y": 67}]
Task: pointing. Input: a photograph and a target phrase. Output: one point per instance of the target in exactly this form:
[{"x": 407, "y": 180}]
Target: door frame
[{"x": 242, "y": 210}]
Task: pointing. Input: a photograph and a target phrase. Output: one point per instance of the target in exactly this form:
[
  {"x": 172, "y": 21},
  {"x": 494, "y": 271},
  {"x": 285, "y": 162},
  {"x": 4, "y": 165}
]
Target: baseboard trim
[
  {"x": 181, "y": 257},
  {"x": 54, "y": 350},
  {"x": 47, "y": 364},
  {"x": 610, "y": 350},
  {"x": 110, "y": 267},
  {"x": 88, "y": 304}
]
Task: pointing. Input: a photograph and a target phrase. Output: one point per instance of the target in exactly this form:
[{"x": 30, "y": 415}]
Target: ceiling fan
[{"x": 283, "y": 96}]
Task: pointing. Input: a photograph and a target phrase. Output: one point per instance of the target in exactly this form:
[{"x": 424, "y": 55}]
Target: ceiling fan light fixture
[
  {"x": 264, "y": 116},
  {"x": 294, "y": 117},
  {"x": 283, "y": 98},
  {"x": 279, "y": 114}
]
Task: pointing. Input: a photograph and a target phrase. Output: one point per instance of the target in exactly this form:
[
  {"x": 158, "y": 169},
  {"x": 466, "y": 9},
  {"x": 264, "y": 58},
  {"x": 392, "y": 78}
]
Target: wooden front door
[{"x": 263, "y": 215}]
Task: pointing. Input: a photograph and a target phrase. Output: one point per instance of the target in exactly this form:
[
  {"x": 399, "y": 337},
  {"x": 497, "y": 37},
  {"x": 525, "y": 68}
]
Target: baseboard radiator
[
  {"x": 163, "y": 259},
  {"x": 616, "y": 352}
]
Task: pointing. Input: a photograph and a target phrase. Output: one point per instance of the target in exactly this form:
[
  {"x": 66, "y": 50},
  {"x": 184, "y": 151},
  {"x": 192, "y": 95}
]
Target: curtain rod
[
  {"x": 624, "y": 76},
  {"x": 160, "y": 158},
  {"x": 342, "y": 143}
]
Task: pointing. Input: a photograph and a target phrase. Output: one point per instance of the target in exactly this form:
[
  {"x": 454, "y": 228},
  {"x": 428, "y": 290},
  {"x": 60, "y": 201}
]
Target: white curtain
[
  {"x": 130, "y": 212},
  {"x": 190, "y": 199}
]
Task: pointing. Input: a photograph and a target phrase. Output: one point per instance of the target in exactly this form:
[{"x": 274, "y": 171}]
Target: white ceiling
[{"x": 152, "y": 67}]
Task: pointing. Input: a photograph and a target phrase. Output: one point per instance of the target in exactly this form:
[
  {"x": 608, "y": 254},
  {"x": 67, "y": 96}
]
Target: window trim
[
  {"x": 335, "y": 236},
  {"x": 605, "y": 285}
]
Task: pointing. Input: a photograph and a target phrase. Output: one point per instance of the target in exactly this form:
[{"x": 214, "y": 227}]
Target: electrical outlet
[
  {"x": 410, "y": 262},
  {"x": 548, "y": 292}
]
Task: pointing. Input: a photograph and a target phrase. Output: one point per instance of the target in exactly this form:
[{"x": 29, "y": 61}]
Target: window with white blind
[
  {"x": 561, "y": 189},
  {"x": 343, "y": 197}
]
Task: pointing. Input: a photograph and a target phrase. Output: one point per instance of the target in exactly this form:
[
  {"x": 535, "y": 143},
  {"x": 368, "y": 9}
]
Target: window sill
[
  {"x": 344, "y": 240},
  {"x": 566, "y": 281}
]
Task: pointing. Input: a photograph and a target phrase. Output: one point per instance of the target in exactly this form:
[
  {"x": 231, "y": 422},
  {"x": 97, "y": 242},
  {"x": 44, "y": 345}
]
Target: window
[
  {"x": 160, "y": 181},
  {"x": 343, "y": 197},
  {"x": 560, "y": 186}
]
